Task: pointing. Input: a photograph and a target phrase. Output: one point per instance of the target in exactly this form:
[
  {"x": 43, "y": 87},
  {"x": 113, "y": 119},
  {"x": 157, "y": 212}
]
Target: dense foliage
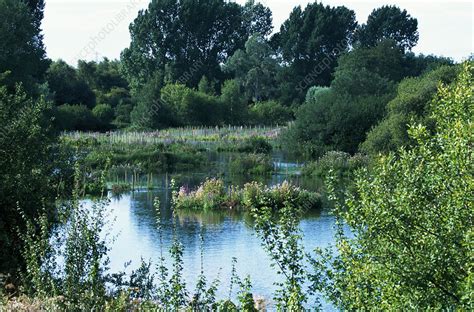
[
  {"x": 26, "y": 167},
  {"x": 365, "y": 82},
  {"x": 412, "y": 219},
  {"x": 23, "y": 56},
  {"x": 411, "y": 104},
  {"x": 239, "y": 75},
  {"x": 389, "y": 22}
]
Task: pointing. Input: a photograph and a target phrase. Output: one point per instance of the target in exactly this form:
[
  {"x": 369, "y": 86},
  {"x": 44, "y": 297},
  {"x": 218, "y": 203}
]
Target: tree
[
  {"x": 338, "y": 118},
  {"x": 310, "y": 41},
  {"x": 67, "y": 86},
  {"x": 234, "y": 100},
  {"x": 385, "y": 59},
  {"x": 411, "y": 104},
  {"x": 103, "y": 76},
  {"x": 75, "y": 118},
  {"x": 37, "y": 9},
  {"x": 205, "y": 86},
  {"x": 21, "y": 44},
  {"x": 389, "y": 22},
  {"x": 257, "y": 19},
  {"x": 412, "y": 219},
  {"x": 202, "y": 109},
  {"x": 26, "y": 169},
  {"x": 149, "y": 112},
  {"x": 184, "y": 40},
  {"x": 255, "y": 68}
]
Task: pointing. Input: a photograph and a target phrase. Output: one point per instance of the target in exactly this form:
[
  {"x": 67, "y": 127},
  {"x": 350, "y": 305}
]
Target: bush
[
  {"x": 255, "y": 164},
  {"x": 411, "y": 219},
  {"x": 212, "y": 195},
  {"x": 234, "y": 102},
  {"x": 257, "y": 145},
  {"x": 340, "y": 163},
  {"x": 75, "y": 117},
  {"x": 104, "y": 114},
  {"x": 269, "y": 113},
  {"x": 410, "y": 105}
]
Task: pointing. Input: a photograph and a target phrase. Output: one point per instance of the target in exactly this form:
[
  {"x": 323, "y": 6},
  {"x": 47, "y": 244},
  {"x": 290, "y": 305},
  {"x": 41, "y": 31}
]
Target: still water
[{"x": 226, "y": 235}]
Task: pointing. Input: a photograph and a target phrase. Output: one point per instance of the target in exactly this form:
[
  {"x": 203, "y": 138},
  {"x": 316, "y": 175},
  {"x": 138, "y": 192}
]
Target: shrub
[
  {"x": 269, "y": 113},
  {"x": 75, "y": 117},
  {"x": 257, "y": 145},
  {"x": 343, "y": 164},
  {"x": 411, "y": 219},
  {"x": 104, "y": 114},
  {"x": 118, "y": 189},
  {"x": 212, "y": 194},
  {"x": 255, "y": 164},
  {"x": 411, "y": 104}
]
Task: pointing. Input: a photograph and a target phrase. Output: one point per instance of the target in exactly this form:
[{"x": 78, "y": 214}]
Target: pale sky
[{"x": 92, "y": 29}]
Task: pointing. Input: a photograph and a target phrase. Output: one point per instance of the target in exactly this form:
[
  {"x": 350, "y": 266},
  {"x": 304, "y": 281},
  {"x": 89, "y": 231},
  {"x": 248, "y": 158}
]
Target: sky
[{"x": 93, "y": 29}]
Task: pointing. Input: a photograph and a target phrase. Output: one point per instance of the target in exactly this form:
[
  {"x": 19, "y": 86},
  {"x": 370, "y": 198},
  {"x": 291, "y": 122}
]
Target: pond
[{"x": 226, "y": 234}]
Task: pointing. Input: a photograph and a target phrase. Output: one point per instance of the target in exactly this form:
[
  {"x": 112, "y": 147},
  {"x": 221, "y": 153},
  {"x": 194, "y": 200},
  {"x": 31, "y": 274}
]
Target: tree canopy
[
  {"x": 411, "y": 104},
  {"x": 255, "y": 68},
  {"x": 389, "y": 22},
  {"x": 173, "y": 36},
  {"x": 22, "y": 52},
  {"x": 310, "y": 41}
]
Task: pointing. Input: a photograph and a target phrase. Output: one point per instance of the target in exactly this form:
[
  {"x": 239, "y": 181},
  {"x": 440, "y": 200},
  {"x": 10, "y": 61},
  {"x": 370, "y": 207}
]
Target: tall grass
[{"x": 196, "y": 136}]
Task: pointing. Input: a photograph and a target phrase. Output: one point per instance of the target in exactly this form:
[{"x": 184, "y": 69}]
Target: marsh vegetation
[{"x": 323, "y": 166}]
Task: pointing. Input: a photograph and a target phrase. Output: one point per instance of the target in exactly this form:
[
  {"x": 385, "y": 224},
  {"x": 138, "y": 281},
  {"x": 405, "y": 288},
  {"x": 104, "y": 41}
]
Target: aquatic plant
[{"x": 212, "y": 194}]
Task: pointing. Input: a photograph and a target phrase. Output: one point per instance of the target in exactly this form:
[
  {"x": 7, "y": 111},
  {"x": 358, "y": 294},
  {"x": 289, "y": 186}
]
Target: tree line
[{"x": 214, "y": 63}]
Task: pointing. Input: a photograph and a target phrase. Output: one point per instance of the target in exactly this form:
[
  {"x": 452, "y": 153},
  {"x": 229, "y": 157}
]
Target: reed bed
[{"x": 189, "y": 135}]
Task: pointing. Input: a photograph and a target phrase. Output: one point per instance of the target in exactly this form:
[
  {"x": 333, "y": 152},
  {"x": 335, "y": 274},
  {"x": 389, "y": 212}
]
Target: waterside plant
[{"x": 212, "y": 194}]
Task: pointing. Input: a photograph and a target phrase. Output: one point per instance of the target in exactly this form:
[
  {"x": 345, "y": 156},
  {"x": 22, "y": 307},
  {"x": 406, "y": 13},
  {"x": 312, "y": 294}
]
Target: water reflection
[{"x": 227, "y": 234}]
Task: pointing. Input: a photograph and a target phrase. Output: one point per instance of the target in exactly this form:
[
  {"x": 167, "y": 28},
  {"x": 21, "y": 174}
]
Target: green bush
[
  {"x": 75, "y": 117},
  {"x": 253, "y": 164},
  {"x": 411, "y": 104},
  {"x": 256, "y": 145},
  {"x": 343, "y": 164},
  {"x": 269, "y": 113},
  {"x": 104, "y": 114},
  {"x": 212, "y": 194}
]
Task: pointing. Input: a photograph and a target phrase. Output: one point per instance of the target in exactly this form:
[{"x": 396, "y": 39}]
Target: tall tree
[
  {"x": 385, "y": 59},
  {"x": 389, "y": 22},
  {"x": 37, "y": 9},
  {"x": 185, "y": 40},
  {"x": 257, "y": 18},
  {"x": 22, "y": 52},
  {"x": 255, "y": 68},
  {"x": 310, "y": 42}
]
